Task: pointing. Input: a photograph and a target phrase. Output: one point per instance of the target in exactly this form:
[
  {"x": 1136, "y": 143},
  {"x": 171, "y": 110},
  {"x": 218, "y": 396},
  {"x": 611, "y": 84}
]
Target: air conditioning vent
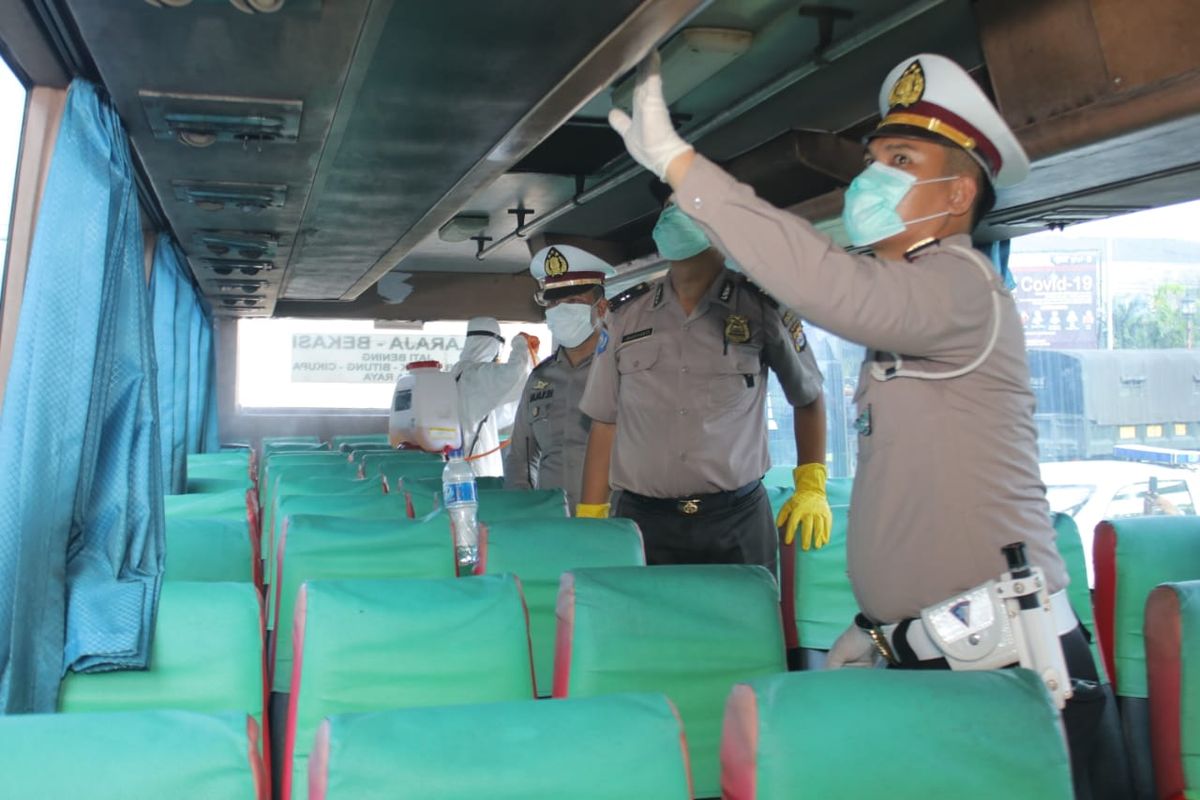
[
  {"x": 254, "y": 301},
  {"x": 240, "y": 287},
  {"x": 250, "y": 198},
  {"x": 200, "y": 120},
  {"x": 240, "y": 266},
  {"x": 237, "y": 245}
]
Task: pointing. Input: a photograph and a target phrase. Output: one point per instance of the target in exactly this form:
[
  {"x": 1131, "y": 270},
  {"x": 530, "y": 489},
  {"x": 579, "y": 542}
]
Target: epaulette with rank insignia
[{"x": 631, "y": 293}]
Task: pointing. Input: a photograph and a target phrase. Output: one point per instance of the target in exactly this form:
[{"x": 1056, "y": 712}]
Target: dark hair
[
  {"x": 960, "y": 160},
  {"x": 550, "y": 295}
]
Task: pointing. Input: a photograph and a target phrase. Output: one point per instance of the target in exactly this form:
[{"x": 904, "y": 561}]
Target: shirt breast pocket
[
  {"x": 635, "y": 362},
  {"x": 736, "y": 382}
]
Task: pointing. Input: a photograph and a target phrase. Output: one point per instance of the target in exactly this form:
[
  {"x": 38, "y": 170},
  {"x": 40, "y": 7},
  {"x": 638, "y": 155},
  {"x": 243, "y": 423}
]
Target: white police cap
[
  {"x": 930, "y": 96},
  {"x": 560, "y": 266}
]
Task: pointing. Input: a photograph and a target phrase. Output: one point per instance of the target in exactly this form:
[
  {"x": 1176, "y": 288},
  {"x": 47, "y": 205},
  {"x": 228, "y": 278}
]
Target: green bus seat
[
  {"x": 209, "y": 549},
  {"x": 356, "y": 505},
  {"x": 371, "y": 645},
  {"x": 1131, "y": 556},
  {"x": 1173, "y": 680},
  {"x": 815, "y": 595},
  {"x": 1070, "y": 547},
  {"x": 234, "y": 504},
  {"x": 143, "y": 754},
  {"x": 620, "y": 746},
  {"x": 348, "y": 441},
  {"x": 209, "y": 485},
  {"x": 538, "y": 552},
  {"x": 219, "y": 465},
  {"x": 690, "y": 632},
  {"x": 394, "y": 467},
  {"x": 308, "y": 485},
  {"x": 207, "y": 655},
  {"x": 316, "y": 547},
  {"x": 986, "y": 735},
  {"x": 272, "y": 442}
]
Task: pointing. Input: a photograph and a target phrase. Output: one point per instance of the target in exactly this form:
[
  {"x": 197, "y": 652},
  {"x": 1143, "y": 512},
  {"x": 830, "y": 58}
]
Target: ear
[
  {"x": 602, "y": 307},
  {"x": 963, "y": 191}
]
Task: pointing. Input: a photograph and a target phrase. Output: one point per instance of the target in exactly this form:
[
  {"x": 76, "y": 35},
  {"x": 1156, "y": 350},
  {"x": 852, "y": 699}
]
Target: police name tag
[{"x": 972, "y": 629}]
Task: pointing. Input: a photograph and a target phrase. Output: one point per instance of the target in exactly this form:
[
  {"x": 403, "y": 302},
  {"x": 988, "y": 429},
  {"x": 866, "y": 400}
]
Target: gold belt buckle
[{"x": 689, "y": 506}]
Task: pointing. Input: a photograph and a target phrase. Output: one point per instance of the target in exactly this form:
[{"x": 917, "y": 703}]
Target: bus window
[
  {"x": 12, "y": 117},
  {"x": 1141, "y": 499},
  {"x": 343, "y": 364}
]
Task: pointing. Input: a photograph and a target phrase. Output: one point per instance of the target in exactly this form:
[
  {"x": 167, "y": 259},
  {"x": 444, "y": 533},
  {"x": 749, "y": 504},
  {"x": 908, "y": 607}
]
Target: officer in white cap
[
  {"x": 484, "y": 386},
  {"x": 550, "y": 434},
  {"x": 947, "y": 465}
]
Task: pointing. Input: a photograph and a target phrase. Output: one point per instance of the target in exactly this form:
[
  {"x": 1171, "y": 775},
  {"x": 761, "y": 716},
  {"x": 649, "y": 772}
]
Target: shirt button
[
  {"x": 697, "y": 202},
  {"x": 683, "y": 412},
  {"x": 683, "y": 369}
]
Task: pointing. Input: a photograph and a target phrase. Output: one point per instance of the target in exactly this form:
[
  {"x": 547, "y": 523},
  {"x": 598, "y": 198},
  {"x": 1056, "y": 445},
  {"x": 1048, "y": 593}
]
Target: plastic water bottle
[{"x": 461, "y": 499}]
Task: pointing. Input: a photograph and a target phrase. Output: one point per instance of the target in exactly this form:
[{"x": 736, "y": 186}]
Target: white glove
[
  {"x": 853, "y": 648},
  {"x": 649, "y": 137}
]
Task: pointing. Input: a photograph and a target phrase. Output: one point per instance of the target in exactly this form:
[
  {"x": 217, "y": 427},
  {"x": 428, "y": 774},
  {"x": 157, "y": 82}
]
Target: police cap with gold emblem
[
  {"x": 930, "y": 97},
  {"x": 563, "y": 270}
]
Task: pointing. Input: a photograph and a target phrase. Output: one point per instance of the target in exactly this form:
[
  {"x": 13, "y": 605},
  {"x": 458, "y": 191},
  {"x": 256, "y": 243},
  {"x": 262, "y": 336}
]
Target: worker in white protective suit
[{"x": 485, "y": 387}]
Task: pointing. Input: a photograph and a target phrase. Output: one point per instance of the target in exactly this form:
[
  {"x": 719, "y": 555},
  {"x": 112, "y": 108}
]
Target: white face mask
[{"x": 570, "y": 323}]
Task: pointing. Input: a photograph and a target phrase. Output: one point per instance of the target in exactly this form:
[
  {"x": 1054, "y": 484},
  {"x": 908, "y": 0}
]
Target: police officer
[
  {"x": 550, "y": 434},
  {"x": 677, "y": 401},
  {"x": 947, "y": 464}
]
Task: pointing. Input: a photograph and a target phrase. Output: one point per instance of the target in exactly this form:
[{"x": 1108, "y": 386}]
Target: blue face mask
[
  {"x": 869, "y": 210},
  {"x": 677, "y": 236}
]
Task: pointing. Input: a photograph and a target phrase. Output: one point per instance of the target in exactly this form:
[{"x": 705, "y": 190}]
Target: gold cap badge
[
  {"x": 909, "y": 87},
  {"x": 555, "y": 264}
]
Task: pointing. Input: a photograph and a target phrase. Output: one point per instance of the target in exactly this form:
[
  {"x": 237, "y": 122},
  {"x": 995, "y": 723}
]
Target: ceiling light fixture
[{"x": 462, "y": 227}]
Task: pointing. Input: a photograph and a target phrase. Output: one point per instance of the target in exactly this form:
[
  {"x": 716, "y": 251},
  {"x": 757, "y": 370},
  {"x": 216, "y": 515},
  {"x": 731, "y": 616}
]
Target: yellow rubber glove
[
  {"x": 807, "y": 509},
  {"x": 592, "y": 510}
]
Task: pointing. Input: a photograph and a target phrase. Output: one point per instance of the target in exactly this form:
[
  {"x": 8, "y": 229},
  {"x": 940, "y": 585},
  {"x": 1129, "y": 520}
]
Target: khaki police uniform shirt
[
  {"x": 549, "y": 438},
  {"x": 687, "y": 393},
  {"x": 947, "y": 469}
]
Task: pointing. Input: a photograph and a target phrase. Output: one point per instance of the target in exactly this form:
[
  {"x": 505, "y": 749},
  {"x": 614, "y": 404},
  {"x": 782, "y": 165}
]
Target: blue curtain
[
  {"x": 81, "y": 516},
  {"x": 183, "y": 340}
]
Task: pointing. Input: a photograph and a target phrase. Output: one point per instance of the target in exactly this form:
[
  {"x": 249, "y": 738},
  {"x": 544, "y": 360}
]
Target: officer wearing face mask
[
  {"x": 947, "y": 465},
  {"x": 677, "y": 398},
  {"x": 550, "y": 434}
]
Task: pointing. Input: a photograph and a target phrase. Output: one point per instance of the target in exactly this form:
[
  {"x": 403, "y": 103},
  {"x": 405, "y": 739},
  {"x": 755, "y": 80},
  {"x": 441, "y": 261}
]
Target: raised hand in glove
[
  {"x": 807, "y": 509},
  {"x": 592, "y": 510},
  {"x": 649, "y": 136}
]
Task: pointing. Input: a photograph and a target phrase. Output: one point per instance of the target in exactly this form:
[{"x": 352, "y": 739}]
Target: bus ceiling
[{"x": 302, "y": 154}]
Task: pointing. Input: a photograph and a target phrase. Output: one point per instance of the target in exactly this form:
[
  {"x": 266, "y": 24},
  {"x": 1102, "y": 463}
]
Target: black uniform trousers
[
  {"x": 1098, "y": 765},
  {"x": 734, "y": 527}
]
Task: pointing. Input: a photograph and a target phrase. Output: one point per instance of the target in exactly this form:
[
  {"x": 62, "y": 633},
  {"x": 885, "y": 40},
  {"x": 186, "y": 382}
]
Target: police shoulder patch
[
  {"x": 602, "y": 342},
  {"x": 632, "y": 293}
]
